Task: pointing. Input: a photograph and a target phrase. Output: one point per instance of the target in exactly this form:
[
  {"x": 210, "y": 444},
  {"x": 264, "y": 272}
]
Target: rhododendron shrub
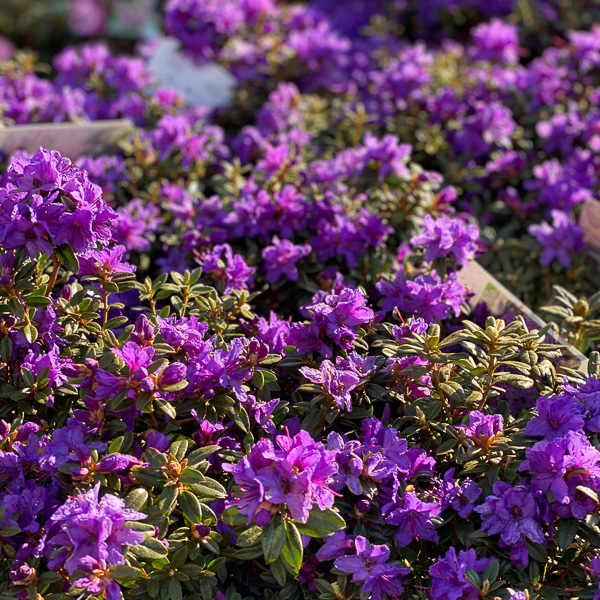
[
  {"x": 238, "y": 359},
  {"x": 164, "y": 437}
]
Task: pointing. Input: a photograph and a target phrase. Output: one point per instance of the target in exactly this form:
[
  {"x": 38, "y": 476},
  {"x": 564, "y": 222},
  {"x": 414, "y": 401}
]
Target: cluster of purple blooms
[
  {"x": 289, "y": 475},
  {"x": 47, "y": 202}
]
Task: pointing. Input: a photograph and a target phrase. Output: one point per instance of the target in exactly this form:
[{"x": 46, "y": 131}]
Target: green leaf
[
  {"x": 321, "y": 523},
  {"x": 292, "y": 549},
  {"x": 144, "y": 402},
  {"x": 6, "y": 348},
  {"x": 190, "y": 507},
  {"x": 537, "y": 552},
  {"x": 278, "y": 571},
  {"x": 200, "y": 455},
  {"x": 249, "y": 537},
  {"x": 240, "y": 418},
  {"x": 589, "y": 534},
  {"x": 67, "y": 257},
  {"x": 473, "y": 577},
  {"x": 176, "y": 387},
  {"x": 231, "y": 516},
  {"x": 30, "y": 332},
  {"x": 136, "y": 499},
  {"x": 190, "y": 476},
  {"x": 151, "y": 549},
  {"x": 168, "y": 499},
  {"x": 174, "y": 590},
  {"x": 208, "y": 490},
  {"x": 10, "y": 530},
  {"x": 179, "y": 557},
  {"x": 567, "y": 530},
  {"x": 116, "y": 322},
  {"x": 258, "y": 379},
  {"x": 491, "y": 572},
  {"x": 125, "y": 573},
  {"x": 250, "y": 552},
  {"x": 273, "y": 539},
  {"x": 166, "y": 407},
  {"x": 178, "y": 449},
  {"x": 38, "y": 301}
]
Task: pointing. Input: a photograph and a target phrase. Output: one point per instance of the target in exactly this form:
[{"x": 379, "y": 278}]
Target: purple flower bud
[
  {"x": 147, "y": 385},
  {"x": 143, "y": 331},
  {"x": 115, "y": 462},
  {"x": 363, "y": 506},
  {"x": 24, "y": 431},
  {"x": 4, "y": 429},
  {"x": 22, "y": 574},
  {"x": 140, "y": 374},
  {"x": 200, "y": 531},
  {"x": 173, "y": 374},
  {"x": 66, "y": 293}
]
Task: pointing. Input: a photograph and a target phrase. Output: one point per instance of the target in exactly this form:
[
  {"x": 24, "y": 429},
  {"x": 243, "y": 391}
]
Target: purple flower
[
  {"x": 281, "y": 259},
  {"x": 104, "y": 263},
  {"x": 559, "y": 239},
  {"x": 413, "y": 518},
  {"x": 483, "y": 429},
  {"x": 426, "y": 296},
  {"x": 86, "y": 526},
  {"x": 557, "y": 415},
  {"x": 22, "y": 574},
  {"x": 461, "y": 497},
  {"x": 547, "y": 464},
  {"x": 446, "y": 236},
  {"x": 513, "y": 513},
  {"x": 369, "y": 567},
  {"x": 41, "y": 173},
  {"x": 336, "y": 545},
  {"x": 448, "y": 575},
  {"x": 337, "y": 383},
  {"x": 174, "y": 373},
  {"x": 228, "y": 269},
  {"x": 496, "y": 41},
  {"x": 97, "y": 579},
  {"x": 307, "y": 339},
  {"x": 32, "y": 236}
]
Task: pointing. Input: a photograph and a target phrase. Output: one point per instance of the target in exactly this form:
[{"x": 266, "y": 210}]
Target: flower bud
[
  {"x": 173, "y": 374},
  {"x": 581, "y": 308},
  {"x": 147, "y": 385},
  {"x": 200, "y": 531},
  {"x": 22, "y": 574}
]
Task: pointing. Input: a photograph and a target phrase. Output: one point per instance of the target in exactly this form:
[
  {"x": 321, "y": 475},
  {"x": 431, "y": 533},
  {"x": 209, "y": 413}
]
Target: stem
[
  {"x": 105, "y": 295},
  {"x": 152, "y": 304},
  {"x": 53, "y": 275},
  {"x": 488, "y": 387},
  {"x": 436, "y": 382},
  {"x": 257, "y": 564}
]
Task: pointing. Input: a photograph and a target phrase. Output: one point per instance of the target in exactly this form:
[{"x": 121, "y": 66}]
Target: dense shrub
[{"x": 237, "y": 360}]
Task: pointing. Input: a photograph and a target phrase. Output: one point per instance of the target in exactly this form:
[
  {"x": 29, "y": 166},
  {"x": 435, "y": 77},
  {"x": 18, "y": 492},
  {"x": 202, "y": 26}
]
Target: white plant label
[{"x": 207, "y": 85}]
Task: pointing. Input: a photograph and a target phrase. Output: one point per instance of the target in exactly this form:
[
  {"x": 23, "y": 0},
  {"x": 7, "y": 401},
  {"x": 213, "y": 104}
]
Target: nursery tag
[
  {"x": 589, "y": 221},
  {"x": 501, "y": 301},
  {"x": 207, "y": 85},
  {"x": 70, "y": 139}
]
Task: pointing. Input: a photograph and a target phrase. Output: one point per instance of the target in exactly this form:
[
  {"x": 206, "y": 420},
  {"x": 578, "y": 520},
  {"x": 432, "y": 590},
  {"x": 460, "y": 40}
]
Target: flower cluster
[{"x": 292, "y": 474}]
